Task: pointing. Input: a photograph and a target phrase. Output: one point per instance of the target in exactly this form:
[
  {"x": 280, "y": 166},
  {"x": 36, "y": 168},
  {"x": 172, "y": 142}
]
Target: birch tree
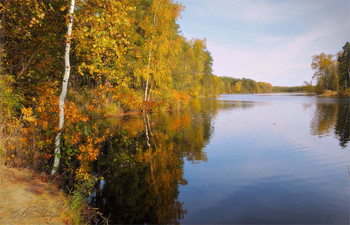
[
  {"x": 161, "y": 44},
  {"x": 154, "y": 24},
  {"x": 64, "y": 90}
]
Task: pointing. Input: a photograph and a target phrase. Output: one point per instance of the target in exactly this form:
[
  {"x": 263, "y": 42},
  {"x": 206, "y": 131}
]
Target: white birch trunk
[
  {"x": 150, "y": 89},
  {"x": 64, "y": 90},
  {"x": 148, "y": 66},
  {"x": 146, "y": 130},
  {"x": 150, "y": 52},
  {"x": 146, "y": 89}
]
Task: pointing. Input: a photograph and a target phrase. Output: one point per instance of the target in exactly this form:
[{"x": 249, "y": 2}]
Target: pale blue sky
[{"x": 270, "y": 41}]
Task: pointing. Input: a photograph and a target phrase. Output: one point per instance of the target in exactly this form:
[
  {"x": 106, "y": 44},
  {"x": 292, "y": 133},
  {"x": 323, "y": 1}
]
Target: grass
[{"x": 76, "y": 204}]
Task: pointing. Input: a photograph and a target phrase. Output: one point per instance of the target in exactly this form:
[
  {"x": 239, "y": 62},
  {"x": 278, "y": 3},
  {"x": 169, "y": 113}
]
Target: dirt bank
[{"x": 26, "y": 198}]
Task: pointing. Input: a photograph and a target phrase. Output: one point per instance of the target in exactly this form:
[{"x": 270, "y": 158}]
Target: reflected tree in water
[
  {"x": 330, "y": 118},
  {"x": 324, "y": 120},
  {"x": 342, "y": 128},
  {"x": 142, "y": 164}
]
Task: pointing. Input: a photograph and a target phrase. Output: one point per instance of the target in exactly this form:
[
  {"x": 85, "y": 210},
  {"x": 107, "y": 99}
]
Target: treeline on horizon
[{"x": 285, "y": 89}]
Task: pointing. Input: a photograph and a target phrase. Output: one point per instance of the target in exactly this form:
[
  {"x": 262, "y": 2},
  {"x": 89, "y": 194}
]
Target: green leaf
[{"x": 86, "y": 133}]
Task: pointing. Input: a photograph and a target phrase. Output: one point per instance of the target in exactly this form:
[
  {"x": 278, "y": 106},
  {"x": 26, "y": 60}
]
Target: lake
[{"x": 236, "y": 159}]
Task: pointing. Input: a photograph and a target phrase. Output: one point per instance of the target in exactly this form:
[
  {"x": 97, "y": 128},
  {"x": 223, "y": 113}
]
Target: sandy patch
[{"x": 26, "y": 199}]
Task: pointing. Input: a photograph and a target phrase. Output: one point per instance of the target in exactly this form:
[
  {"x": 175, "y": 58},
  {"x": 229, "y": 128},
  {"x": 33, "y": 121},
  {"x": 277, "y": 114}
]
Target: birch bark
[
  {"x": 148, "y": 66},
  {"x": 150, "y": 51},
  {"x": 64, "y": 91}
]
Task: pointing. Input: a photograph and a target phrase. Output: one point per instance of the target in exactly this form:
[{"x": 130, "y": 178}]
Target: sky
[{"x": 271, "y": 41}]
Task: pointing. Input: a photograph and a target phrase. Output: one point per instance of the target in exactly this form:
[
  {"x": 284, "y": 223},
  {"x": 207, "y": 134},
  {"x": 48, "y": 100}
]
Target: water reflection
[
  {"x": 332, "y": 117},
  {"x": 143, "y": 163}
]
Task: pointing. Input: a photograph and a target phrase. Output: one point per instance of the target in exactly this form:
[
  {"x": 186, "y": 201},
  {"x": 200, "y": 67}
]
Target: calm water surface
[{"x": 238, "y": 159}]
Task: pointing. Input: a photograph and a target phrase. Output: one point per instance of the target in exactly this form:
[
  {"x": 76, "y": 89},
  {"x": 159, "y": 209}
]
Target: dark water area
[{"x": 237, "y": 159}]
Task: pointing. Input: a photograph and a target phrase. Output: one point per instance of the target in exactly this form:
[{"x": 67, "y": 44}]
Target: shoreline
[{"x": 30, "y": 198}]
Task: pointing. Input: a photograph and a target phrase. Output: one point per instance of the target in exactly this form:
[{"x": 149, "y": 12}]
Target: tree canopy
[
  {"x": 125, "y": 56},
  {"x": 331, "y": 72}
]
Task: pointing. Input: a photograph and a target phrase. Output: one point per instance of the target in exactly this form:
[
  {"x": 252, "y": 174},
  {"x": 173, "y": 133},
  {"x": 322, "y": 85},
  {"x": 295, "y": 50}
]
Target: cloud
[
  {"x": 261, "y": 65},
  {"x": 278, "y": 60},
  {"x": 269, "y": 41}
]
